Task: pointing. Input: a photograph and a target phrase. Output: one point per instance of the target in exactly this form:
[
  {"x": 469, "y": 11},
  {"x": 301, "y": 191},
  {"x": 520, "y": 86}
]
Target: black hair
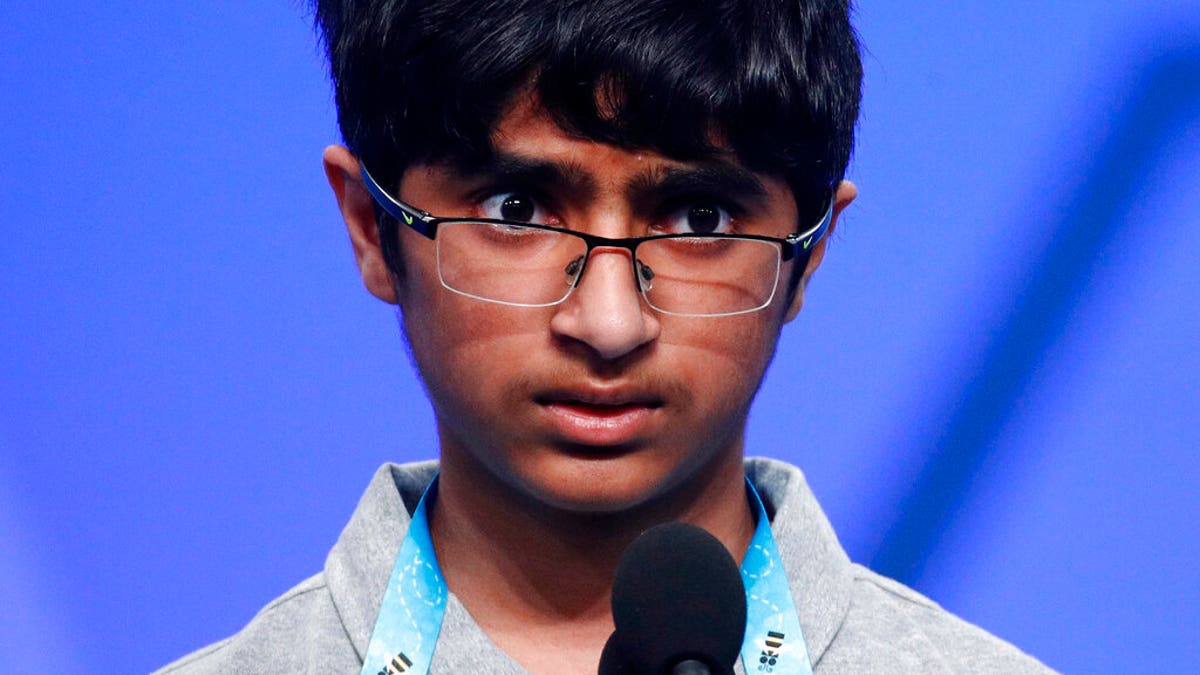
[{"x": 778, "y": 82}]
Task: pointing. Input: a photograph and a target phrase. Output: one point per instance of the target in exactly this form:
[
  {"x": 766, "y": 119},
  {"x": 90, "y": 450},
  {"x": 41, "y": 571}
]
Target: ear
[
  {"x": 846, "y": 192},
  {"x": 358, "y": 210}
]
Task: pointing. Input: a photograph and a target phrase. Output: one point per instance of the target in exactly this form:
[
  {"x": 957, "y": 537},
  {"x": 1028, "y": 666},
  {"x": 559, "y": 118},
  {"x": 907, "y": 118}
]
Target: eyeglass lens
[{"x": 532, "y": 267}]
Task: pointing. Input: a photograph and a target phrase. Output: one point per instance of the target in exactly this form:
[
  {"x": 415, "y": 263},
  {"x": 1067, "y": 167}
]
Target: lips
[{"x": 598, "y": 417}]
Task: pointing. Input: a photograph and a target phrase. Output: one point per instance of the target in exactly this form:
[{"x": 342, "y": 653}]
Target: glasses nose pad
[
  {"x": 573, "y": 269},
  {"x": 645, "y": 276}
]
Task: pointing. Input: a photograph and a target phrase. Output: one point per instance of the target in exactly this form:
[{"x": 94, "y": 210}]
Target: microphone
[{"x": 678, "y": 604}]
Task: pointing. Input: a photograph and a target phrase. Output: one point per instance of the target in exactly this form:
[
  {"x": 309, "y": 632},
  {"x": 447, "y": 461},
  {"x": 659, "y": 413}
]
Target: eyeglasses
[{"x": 531, "y": 265}]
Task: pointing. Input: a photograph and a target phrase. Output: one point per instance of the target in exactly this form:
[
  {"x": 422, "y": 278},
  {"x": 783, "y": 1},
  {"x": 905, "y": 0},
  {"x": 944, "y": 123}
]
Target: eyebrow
[
  {"x": 509, "y": 168},
  {"x": 714, "y": 177}
]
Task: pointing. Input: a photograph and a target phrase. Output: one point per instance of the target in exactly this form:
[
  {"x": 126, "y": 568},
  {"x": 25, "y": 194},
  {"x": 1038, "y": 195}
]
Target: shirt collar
[{"x": 818, "y": 570}]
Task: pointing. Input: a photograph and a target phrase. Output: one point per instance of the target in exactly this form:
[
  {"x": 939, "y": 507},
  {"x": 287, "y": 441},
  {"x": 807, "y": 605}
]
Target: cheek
[
  {"x": 724, "y": 358},
  {"x": 744, "y": 340},
  {"x": 469, "y": 353}
]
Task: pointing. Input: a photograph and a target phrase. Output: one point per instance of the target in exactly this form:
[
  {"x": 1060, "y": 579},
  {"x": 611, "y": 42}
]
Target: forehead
[
  {"x": 527, "y": 129},
  {"x": 529, "y": 142}
]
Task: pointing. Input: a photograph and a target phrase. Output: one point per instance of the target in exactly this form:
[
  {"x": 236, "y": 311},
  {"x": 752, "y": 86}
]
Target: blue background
[{"x": 993, "y": 385}]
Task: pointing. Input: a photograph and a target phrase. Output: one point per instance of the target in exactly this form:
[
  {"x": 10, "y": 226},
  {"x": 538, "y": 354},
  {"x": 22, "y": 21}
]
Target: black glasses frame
[
  {"x": 426, "y": 224},
  {"x": 796, "y": 245}
]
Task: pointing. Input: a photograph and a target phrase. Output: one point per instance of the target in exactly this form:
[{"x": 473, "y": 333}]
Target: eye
[
  {"x": 699, "y": 219},
  {"x": 514, "y": 206}
]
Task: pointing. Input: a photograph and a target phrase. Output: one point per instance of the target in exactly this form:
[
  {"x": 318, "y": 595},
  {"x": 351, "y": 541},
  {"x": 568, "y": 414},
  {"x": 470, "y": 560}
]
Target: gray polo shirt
[{"x": 854, "y": 621}]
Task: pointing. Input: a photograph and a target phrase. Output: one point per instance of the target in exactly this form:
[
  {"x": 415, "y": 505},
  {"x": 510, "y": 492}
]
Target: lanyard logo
[{"x": 399, "y": 664}]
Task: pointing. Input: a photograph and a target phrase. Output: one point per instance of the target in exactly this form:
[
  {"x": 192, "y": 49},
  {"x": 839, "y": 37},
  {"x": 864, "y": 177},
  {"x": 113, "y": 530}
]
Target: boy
[{"x": 595, "y": 218}]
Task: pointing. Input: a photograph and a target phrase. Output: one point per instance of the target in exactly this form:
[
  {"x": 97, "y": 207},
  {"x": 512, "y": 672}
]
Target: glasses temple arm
[
  {"x": 414, "y": 218},
  {"x": 802, "y": 242}
]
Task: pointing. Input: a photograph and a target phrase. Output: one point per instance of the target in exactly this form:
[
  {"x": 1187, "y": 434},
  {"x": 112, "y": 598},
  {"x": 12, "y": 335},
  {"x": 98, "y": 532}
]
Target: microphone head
[
  {"x": 614, "y": 660},
  {"x": 677, "y": 595}
]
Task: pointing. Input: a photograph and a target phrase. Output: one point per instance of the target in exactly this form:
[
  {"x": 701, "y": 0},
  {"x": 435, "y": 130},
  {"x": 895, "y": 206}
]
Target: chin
[{"x": 598, "y": 487}]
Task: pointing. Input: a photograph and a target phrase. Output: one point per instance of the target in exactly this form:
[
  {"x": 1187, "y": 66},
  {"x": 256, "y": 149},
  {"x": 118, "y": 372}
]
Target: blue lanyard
[
  {"x": 773, "y": 642},
  {"x": 410, "y": 617},
  {"x": 414, "y": 603}
]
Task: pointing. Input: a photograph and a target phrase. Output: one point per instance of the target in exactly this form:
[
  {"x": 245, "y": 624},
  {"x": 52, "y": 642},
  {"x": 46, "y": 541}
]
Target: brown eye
[
  {"x": 703, "y": 219},
  {"x": 700, "y": 217},
  {"x": 517, "y": 207},
  {"x": 514, "y": 206}
]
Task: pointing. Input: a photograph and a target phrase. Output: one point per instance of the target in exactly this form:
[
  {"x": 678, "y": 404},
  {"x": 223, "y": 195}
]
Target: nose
[{"x": 606, "y": 311}]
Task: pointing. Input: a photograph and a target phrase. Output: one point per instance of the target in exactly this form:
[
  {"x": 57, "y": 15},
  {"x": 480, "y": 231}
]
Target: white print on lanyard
[
  {"x": 773, "y": 642},
  {"x": 414, "y": 603}
]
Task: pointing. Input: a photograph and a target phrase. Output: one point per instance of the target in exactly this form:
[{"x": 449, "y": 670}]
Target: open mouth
[
  {"x": 586, "y": 397},
  {"x": 598, "y": 419},
  {"x": 604, "y": 409}
]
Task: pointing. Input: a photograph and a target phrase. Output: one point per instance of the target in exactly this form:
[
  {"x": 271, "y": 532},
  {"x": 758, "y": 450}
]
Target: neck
[{"x": 526, "y": 571}]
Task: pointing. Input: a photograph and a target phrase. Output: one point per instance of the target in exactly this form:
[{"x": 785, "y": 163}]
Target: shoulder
[
  {"x": 315, "y": 626},
  {"x": 857, "y": 621},
  {"x": 890, "y": 627},
  {"x": 297, "y": 632}
]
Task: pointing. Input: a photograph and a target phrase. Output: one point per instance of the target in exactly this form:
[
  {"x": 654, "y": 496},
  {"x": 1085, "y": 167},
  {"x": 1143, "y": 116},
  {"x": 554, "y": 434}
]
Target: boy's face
[{"x": 599, "y": 403}]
